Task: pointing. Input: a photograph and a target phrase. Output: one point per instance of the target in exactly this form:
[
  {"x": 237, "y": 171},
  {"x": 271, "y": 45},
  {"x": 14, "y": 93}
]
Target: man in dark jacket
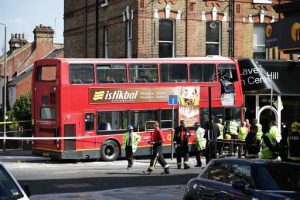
[
  {"x": 181, "y": 145},
  {"x": 211, "y": 135}
]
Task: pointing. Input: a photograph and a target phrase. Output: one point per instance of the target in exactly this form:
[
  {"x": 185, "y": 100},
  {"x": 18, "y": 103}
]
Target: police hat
[{"x": 196, "y": 124}]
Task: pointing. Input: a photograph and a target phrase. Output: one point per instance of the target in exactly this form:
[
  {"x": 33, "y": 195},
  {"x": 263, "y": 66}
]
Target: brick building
[
  {"x": 168, "y": 28},
  {"x": 20, "y": 59}
]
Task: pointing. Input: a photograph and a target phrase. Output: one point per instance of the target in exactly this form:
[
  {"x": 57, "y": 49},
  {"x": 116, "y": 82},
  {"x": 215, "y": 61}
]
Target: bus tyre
[{"x": 109, "y": 151}]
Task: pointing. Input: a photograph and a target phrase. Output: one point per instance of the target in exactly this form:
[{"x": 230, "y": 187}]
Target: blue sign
[{"x": 173, "y": 99}]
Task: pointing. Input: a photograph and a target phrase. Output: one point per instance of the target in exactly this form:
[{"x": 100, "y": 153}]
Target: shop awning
[{"x": 265, "y": 76}]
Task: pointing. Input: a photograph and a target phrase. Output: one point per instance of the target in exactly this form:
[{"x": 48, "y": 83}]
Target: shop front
[{"x": 271, "y": 90}]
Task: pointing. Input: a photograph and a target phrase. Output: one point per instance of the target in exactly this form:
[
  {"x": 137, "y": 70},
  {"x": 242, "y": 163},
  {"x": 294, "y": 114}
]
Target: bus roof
[{"x": 137, "y": 60}]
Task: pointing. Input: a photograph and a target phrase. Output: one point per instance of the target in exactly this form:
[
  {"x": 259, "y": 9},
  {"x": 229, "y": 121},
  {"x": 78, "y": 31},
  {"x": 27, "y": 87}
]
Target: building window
[
  {"x": 259, "y": 48},
  {"x": 105, "y": 42},
  {"x": 166, "y": 38},
  {"x": 213, "y": 35}
]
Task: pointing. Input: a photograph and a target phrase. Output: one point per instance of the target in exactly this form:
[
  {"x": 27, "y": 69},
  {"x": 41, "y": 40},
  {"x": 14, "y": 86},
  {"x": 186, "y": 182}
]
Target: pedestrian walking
[
  {"x": 200, "y": 143},
  {"x": 181, "y": 141},
  {"x": 130, "y": 143},
  {"x": 157, "y": 156}
]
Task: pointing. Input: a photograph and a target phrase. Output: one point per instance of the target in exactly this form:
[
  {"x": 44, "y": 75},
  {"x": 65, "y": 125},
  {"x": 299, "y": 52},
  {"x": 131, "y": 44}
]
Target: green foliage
[
  {"x": 21, "y": 111},
  {"x": 22, "y": 107}
]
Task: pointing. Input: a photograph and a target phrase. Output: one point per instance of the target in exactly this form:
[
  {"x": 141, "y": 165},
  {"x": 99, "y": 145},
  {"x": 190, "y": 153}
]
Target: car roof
[{"x": 254, "y": 161}]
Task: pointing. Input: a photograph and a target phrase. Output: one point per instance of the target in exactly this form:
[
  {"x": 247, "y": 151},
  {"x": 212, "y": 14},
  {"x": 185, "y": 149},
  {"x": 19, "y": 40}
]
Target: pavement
[{"x": 167, "y": 192}]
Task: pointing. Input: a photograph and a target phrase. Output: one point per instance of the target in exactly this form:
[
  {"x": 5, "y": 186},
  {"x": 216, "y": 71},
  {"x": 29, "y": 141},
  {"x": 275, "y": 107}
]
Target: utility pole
[
  {"x": 4, "y": 99},
  {"x": 231, "y": 29}
]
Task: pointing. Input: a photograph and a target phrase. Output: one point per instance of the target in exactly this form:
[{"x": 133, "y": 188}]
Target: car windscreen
[
  {"x": 277, "y": 177},
  {"x": 8, "y": 188}
]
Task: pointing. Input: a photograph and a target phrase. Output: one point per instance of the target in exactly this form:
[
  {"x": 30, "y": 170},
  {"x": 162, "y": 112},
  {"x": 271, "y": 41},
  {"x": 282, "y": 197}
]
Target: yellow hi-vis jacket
[
  {"x": 200, "y": 140},
  {"x": 221, "y": 128},
  {"x": 233, "y": 128},
  {"x": 259, "y": 131},
  {"x": 243, "y": 133},
  {"x": 135, "y": 140},
  {"x": 266, "y": 153}
]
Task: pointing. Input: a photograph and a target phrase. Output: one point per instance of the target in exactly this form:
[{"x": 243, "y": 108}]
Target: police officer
[
  {"x": 268, "y": 145},
  {"x": 233, "y": 130},
  {"x": 259, "y": 133},
  {"x": 181, "y": 142},
  {"x": 200, "y": 143},
  {"x": 243, "y": 131},
  {"x": 294, "y": 142},
  {"x": 130, "y": 142}
]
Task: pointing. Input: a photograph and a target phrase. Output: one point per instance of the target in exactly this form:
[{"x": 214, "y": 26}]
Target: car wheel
[{"x": 109, "y": 151}]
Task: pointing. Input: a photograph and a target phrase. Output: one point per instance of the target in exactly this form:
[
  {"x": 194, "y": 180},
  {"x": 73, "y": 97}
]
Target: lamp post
[{"x": 4, "y": 83}]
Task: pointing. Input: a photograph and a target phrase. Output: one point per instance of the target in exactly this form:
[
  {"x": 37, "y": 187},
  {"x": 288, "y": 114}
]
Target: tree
[{"x": 21, "y": 111}]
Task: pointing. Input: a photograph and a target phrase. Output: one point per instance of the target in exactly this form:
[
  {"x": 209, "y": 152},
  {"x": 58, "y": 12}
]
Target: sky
[{"x": 22, "y": 16}]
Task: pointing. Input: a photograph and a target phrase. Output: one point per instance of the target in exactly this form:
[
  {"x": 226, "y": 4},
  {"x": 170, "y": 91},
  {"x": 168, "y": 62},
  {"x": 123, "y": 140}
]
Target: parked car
[
  {"x": 10, "y": 188},
  {"x": 233, "y": 178}
]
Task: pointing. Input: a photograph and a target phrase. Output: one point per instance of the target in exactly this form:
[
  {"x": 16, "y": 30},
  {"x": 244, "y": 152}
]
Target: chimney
[
  {"x": 43, "y": 34},
  {"x": 17, "y": 41}
]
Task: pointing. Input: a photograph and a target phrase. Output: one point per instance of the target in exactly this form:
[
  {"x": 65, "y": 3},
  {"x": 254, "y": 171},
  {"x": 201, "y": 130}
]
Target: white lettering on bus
[{"x": 120, "y": 95}]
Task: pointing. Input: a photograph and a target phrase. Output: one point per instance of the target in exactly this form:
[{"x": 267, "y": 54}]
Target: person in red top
[
  {"x": 181, "y": 143},
  {"x": 157, "y": 156}
]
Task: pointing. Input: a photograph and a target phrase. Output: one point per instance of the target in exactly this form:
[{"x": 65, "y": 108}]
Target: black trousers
[
  {"x": 129, "y": 155},
  {"x": 211, "y": 150},
  {"x": 157, "y": 156},
  {"x": 182, "y": 151},
  {"x": 199, "y": 153}
]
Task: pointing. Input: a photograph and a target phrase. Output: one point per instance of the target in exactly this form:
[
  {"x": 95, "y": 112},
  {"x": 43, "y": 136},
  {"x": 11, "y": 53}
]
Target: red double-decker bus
[{"x": 85, "y": 105}]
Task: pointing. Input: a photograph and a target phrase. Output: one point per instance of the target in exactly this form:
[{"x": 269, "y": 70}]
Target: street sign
[{"x": 173, "y": 99}]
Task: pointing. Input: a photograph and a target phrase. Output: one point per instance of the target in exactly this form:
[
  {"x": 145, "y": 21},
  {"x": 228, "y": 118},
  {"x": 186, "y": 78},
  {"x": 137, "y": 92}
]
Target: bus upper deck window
[
  {"x": 203, "y": 72},
  {"x": 111, "y": 73},
  {"x": 143, "y": 73},
  {"x": 81, "y": 73},
  {"x": 173, "y": 72},
  {"x": 227, "y": 72},
  {"x": 46, "y": 73}
]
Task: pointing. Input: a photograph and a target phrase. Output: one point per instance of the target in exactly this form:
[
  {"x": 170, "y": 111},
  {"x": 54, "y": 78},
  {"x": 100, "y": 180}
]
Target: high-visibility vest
[
  {"x": 135, "y": 140},
  {"x": 259, "y": 131},
  {"x": 233, "y": 128},
  {"x": 275, "y": 132},
  {"x": 243, "y": 133},
  {"x": 200, "y": 140},
  {"x": 221, "y": 128},
  {"x": 266, "y": 153}
]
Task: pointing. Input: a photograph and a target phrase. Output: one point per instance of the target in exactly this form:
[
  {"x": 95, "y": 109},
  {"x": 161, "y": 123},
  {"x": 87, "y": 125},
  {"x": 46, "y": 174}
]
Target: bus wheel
[{"x": 109, "y": 151}]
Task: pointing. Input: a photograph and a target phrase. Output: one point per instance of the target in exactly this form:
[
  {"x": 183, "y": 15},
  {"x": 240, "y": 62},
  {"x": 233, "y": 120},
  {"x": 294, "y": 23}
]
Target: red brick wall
[{"x": 190, "y": 29}]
